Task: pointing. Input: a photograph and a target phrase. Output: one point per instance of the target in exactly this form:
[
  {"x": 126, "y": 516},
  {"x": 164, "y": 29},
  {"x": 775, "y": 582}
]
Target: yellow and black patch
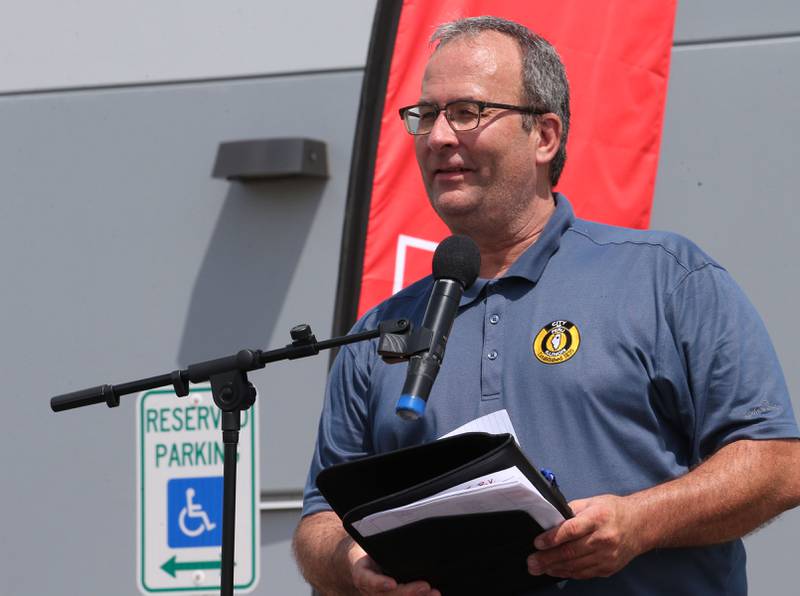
[{"x": 557, "y": 342}]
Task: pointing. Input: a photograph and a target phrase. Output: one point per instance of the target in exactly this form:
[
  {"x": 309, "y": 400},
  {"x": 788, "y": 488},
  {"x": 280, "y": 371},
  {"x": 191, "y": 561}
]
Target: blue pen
[{"x": 549, "y": 476}]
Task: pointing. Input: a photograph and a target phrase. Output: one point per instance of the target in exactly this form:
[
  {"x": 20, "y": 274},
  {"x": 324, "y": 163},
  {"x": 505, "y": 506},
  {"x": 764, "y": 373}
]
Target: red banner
[{"x": 616, "y": 53}]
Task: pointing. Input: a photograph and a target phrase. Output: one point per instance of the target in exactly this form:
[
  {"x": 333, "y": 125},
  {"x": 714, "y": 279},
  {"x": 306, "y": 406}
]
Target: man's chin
[
  {"x": 453, "y": 198},
  {"x": 454, "y": 206}
]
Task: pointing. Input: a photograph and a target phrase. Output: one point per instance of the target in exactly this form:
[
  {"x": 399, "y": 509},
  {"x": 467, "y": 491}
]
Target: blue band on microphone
[{"x": 410, "y": 407}]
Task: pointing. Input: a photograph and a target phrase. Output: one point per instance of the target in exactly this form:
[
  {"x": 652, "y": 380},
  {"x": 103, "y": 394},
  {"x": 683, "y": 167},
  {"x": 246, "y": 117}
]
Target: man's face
[{"x": 487, "y": 176}]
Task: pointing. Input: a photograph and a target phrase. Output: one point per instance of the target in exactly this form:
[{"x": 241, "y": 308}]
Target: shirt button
[
  {"x": 492, "y": 355},
  {"x": 493, "y": 319}
]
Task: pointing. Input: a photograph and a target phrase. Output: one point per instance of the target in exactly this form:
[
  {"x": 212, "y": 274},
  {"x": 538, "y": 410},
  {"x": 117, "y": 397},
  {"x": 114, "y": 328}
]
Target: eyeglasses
[{"x": 461, "y": 115}]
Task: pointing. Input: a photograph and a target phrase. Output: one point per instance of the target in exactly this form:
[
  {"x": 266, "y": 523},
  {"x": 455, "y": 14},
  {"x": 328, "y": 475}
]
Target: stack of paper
[{"x": 505, "y": 490}]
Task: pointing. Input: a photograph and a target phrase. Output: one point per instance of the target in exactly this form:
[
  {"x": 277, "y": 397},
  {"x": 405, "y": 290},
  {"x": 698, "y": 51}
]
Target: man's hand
[
  {"x": 720, "y": 500},
  {"x": 600, "y": 540},
  {"x": 369, "y": 580},
  {"x": 336, "y": 565}
]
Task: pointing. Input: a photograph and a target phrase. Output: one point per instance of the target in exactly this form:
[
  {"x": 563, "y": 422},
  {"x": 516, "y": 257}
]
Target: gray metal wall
[
  {"x": 120, "y": 257},
  {"x": 728, "y": 179}
]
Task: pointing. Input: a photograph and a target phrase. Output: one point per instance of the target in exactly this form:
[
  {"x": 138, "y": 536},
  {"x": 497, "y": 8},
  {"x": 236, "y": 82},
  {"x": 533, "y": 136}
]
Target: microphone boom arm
[
  {"x": 233, "y": 393},
  {"x": 304, "y": 344}
]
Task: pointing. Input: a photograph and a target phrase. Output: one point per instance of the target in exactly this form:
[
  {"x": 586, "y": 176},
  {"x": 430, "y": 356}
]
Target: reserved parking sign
[{"x": 180, "y": 459}]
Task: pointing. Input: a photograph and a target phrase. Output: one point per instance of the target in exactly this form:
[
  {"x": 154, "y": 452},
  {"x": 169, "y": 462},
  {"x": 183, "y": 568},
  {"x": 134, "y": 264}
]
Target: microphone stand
[{"x": 233, "y": 393}]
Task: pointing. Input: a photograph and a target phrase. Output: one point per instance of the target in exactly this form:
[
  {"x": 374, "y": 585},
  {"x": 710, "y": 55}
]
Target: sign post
[{"x": 180, "y": 458}]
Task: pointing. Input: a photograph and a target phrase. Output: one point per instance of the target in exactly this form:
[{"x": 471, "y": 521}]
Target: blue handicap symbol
[{"x": 194, "y": 512}]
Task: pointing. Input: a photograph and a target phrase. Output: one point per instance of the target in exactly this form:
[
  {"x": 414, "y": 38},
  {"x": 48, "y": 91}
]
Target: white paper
[
  {"x": 495, "y": 423},
  {"x": 505, "y": 490}
]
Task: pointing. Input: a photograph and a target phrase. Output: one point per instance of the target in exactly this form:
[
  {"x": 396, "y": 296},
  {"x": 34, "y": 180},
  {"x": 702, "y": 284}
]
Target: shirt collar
[{"x": 530, "y": 264}]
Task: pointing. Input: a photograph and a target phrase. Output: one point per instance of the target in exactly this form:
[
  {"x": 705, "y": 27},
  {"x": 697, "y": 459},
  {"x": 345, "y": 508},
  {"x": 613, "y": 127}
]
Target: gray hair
[{"x": 544, "y": 80}]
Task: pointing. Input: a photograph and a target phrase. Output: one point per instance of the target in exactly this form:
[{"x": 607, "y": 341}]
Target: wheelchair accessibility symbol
[
  {"x": 195, "y": 511},
  {"x": 194, "y": 508}
]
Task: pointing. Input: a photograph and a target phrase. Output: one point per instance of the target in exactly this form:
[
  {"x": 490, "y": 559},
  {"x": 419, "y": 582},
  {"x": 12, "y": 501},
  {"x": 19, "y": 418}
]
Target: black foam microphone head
[{"x": 458, "y": 258}]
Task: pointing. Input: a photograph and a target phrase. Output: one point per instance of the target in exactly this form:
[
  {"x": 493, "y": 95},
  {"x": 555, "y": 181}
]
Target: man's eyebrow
[{"x": 422, "y": 102}]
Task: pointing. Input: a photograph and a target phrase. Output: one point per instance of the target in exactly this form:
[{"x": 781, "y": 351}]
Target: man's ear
[{"x": 549, "y": 138}]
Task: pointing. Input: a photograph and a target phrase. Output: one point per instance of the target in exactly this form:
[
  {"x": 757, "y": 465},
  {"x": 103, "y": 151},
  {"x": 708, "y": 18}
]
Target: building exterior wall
[
  {"x": 91, "y": 43},
  {"x": 728, "y": 180},
  {"x": 121, "y": 257}
]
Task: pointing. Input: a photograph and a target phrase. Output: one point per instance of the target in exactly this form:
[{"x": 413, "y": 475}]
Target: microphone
[{"x": 456, "y": 264}]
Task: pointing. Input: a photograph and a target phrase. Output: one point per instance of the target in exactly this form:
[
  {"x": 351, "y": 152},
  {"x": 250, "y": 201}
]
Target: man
[{"x": 668, "y": 419}]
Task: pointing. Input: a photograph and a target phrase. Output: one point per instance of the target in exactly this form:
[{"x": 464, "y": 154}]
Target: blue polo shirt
[{"x": 623, "y": 357}]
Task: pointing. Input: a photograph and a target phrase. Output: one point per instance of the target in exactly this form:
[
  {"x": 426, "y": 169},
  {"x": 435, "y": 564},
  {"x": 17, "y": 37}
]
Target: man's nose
[{"x": 442, "y": 134}]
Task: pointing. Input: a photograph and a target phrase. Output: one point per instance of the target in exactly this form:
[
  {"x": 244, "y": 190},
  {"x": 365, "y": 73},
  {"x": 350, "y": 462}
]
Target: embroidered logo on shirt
[
  {"x": 556, "y": 342},
  {"x": 762, "y": 409}
]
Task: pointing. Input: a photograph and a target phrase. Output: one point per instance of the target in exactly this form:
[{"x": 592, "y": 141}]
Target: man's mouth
[{"x": 450, "y": 172}]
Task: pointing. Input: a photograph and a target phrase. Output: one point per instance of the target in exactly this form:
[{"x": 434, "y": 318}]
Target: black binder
[{"x": 480, "y": 553}]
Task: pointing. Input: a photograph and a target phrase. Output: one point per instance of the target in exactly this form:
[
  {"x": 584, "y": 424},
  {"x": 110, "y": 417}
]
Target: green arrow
[{"x": 172, "y": 565}]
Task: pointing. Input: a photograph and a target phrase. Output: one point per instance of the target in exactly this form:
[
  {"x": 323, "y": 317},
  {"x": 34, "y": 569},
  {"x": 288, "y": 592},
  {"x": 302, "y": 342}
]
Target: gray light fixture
[{"x": 265, "y": 159}]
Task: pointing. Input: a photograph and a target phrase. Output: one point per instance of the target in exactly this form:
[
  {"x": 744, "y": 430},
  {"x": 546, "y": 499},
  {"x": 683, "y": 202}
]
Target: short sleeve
[
  {"x": 736, "y": 388},
  {"x": 342, "y": 434}
]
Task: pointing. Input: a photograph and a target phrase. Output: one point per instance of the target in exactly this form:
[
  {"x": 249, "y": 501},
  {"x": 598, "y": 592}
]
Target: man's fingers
[
  {"x": 367, "y": 579},
  {"x": 595, "y": 543},
  {"x": 562, "y": 567},
  {"x": 579, "y": 505},
  {"x": 583, "y": 568},
  {"x": 375, "y": 584},
  {"x": 544, "y": 560},
  {"x": 570, "y": 530}
]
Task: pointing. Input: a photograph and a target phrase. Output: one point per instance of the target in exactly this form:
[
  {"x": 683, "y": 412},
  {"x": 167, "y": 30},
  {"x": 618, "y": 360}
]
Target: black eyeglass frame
[{"x": 482, "y": 105}]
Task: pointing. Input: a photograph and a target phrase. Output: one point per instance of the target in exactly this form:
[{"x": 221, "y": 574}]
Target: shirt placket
[{"x": 492, "y": 355}]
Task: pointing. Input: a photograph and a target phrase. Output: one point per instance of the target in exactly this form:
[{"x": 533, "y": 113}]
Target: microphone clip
[{"x": 399, "y": 341}]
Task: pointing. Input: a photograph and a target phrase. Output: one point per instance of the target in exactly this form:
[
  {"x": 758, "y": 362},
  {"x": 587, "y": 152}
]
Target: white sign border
[{"x": 140, "y": 488}]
